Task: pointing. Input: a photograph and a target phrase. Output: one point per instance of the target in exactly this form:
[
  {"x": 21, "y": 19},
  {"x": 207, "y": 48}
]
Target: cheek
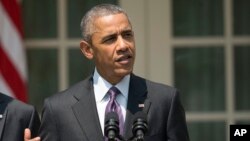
[
  {"x": 132, "y": 45},
  {"x": 104, "y": 57},
  {"x": 105, "y": 54},
  {"x": 133, "y": 50}
]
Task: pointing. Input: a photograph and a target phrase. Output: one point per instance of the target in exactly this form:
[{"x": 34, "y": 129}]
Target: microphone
[
  {"x": 111, "y": 127},
  {"x": 140, "y": 126}
]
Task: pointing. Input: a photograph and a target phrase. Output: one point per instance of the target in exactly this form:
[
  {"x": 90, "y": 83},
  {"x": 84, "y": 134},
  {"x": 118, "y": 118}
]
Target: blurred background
[{"x": 202, "y": 47}]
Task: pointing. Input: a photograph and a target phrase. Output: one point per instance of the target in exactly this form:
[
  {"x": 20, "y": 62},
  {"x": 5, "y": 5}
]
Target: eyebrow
[
  {"x": 127, "y": 31},
  {"x": 114, "y": 34}
]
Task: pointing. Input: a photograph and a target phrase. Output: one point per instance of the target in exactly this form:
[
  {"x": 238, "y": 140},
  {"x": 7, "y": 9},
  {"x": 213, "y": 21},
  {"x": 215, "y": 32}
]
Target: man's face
[{"x": 113, "y": 47}]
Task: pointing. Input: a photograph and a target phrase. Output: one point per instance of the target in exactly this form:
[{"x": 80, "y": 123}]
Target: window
[
  {"x": 52, "y": 38},
  {"x": 211, "y": 63}
]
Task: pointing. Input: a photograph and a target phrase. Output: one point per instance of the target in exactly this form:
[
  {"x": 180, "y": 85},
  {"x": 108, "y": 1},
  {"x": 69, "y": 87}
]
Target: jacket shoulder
[
  {"x": 15, "y": 104},
  {"x": 69, "y": 95},
  {"x": 152, "y": 85}
]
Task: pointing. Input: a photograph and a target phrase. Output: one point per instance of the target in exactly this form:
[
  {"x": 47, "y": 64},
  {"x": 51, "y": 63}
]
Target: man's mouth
[{"x": 124, "y": 58}]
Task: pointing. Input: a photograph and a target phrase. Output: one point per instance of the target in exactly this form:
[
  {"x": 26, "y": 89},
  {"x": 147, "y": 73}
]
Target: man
[
  {"x": 15, "y": 118},
  {"x": 78, "y": 113}
]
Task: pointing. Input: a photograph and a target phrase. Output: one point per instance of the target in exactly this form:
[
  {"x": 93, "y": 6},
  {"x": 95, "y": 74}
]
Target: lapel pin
[
  {"x": 1, "y": 116},
  {"x": 141, "y": 105}
]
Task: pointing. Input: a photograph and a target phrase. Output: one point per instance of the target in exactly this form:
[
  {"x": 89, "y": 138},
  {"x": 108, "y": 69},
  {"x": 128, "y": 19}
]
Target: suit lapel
[
  {"x": 137, "y": 96},
  {"x": 4, "y": 100},
  {"x": 86, "y": 112},
  {"x": 2, "y": 122}
]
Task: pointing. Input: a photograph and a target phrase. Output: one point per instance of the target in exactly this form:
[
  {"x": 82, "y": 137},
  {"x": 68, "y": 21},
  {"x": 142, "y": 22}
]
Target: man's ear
[{"x": 86, "y": 49}]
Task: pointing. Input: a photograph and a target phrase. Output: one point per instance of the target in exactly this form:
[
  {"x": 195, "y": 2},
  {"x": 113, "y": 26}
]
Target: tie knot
[{"x": 113, "y": 91}]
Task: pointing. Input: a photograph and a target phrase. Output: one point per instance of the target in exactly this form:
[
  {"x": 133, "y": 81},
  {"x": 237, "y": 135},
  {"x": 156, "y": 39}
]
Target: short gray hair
[{"x": 87, "y": 22}]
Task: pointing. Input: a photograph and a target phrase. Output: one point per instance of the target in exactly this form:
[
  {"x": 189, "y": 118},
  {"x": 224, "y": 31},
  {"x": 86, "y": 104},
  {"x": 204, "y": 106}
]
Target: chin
[{"x": 123, "y": 72}]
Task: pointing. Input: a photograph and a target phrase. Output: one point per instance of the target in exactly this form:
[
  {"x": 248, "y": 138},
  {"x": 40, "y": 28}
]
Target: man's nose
[{"x": 122, "y": 46}]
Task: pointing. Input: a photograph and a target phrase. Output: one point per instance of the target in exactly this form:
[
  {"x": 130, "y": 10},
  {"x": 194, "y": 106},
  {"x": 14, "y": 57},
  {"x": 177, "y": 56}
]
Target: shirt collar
[{"x": 102, "y": 86}]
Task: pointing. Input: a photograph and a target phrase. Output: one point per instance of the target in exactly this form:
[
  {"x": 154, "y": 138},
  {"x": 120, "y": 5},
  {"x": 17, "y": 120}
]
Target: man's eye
[
  {"x": 109, "y": 40},
  {"x": 128, "y": 35}
]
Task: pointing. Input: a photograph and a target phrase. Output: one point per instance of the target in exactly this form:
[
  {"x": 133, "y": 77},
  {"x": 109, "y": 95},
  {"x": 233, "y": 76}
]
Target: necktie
[{"x": 113, "y": 106}]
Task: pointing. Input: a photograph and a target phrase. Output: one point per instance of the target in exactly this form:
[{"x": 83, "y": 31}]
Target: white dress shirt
[{"x": 101, "y": 87}]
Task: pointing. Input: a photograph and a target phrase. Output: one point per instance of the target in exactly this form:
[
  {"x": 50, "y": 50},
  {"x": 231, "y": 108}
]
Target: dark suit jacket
[
  {"x": 72, "y": 114},
  {"x": 16, "y": 116}
]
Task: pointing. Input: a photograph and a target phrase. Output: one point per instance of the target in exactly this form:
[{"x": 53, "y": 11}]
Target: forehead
[{"x": 112, "y": 22}]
